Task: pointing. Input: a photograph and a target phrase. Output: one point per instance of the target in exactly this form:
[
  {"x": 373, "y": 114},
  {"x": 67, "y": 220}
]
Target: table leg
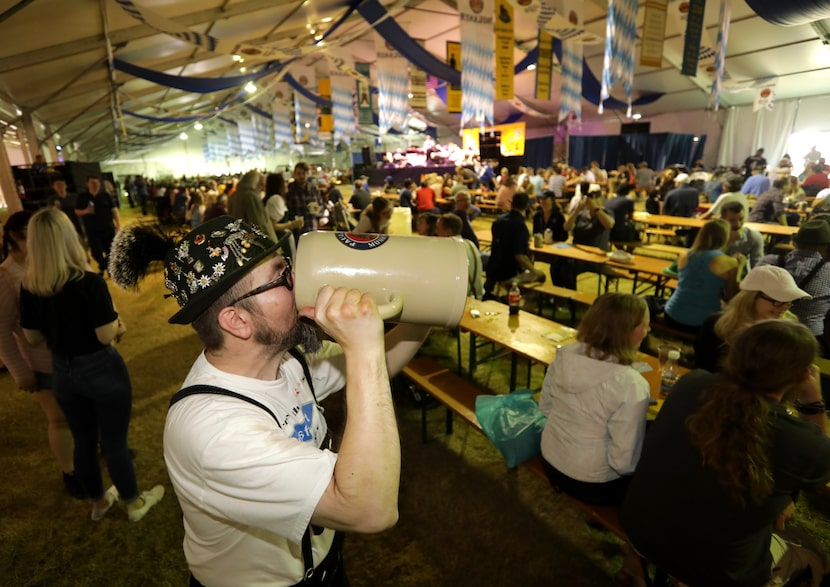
[
  {"x": 472, "y": 365},
  {"x": 513, "y": 369}
]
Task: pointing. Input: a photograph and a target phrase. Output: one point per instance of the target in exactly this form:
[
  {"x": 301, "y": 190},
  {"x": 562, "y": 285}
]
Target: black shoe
[{"x": 73, "y": 486}]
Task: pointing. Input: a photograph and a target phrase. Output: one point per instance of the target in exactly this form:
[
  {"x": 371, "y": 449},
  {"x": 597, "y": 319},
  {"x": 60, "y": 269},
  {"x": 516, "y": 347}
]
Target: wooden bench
[
  {"x": 449, "y": 388},
  {"x": 661, "y": 248},
  {"x": 459, "y": 396},
  {"x": 659, "y": 325},
  {"x": 554, "y": 292},
  {"x": 666, "y": 233}
]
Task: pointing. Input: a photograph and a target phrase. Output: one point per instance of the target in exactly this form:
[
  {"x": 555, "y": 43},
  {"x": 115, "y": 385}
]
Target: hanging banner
[
  {"x": 262, "y": 133},
  {"x": 476, "y": 18},
  {"x": 765, "y": 98},
  {"x": 246, "y": 136},
  {"x": 342, "y": 105},
  {"x": 557, "y": 17},
  {"x": 620, "y": 36},
  {"x": 234, "y": 144},
  {"x": 544, "y": 66},
  {"x": 364, "y": 94},
  {"x": 503, "y": 28},
  {"x": 282, "y": 124},
  {"x": 570, "y": 95},
  {"x": 654, "y": 33},
  {"x": 306, "y": 126},
  {"x": 694, "y": 29},
  {"x": 720, "y": 57},
  {"x": 393, "y": 87},
  {"x": 417, "y": 87},
  {"x": 454, "y": 91},
  {"x": 326, "y": 118}
]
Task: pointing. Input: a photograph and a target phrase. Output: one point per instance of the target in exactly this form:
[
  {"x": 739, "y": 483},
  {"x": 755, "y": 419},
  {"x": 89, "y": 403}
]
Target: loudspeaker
[
  {"x": 489, "y": 145},
  {"x": 368, "y": 159},
  {"x": 635, "y": 128}
]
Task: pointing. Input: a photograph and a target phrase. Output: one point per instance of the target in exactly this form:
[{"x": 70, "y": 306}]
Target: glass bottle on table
[
  {"x": 513, "y": 298},
  {"x": 669, "y": 374}
]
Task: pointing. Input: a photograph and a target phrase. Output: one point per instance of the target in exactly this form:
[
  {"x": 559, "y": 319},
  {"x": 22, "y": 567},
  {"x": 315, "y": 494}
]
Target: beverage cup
[
  {"x": 413, "y": 279},
  {"x": 663, "y": 353},
  {"x": 538, "y": 240}
]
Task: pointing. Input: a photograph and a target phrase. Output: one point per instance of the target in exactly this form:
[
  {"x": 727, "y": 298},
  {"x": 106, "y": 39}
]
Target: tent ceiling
[{"x": 54, "y": 64}]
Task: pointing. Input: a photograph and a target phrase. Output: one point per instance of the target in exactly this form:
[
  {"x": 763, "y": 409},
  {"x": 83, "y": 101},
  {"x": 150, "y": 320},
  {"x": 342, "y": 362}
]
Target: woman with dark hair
[
  {"x": 375, "y": 218},
  {"x": 706, "y": 275},
  {"x": 69, "y": 307},
  {"x": 31, "y": 365},
  {"x": 596, "y": 402},
  {"x": 724, "y": 459}
]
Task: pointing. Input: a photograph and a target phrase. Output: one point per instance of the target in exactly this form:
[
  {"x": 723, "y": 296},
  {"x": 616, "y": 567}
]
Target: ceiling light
[
  {"x": 531, "y": 67},
  {"x": 409, "y": 95},
  {"x": 308, "y": 125},
  {"x": 18, "y": 111},
  {"x": 58, "y": 148},
  {"x": 318, "y": 37},
  {"x": 198, "y": 126},
  {"x": 327, "y": 19},
  {"x": 183, "y": 136},
  {"x": 238, "y": 58},
  {"x": 636, "y": 116},
  {"x": 250, "y": 87},
  {"x": 243, "y": 69},
  {"x": 696, "y": 139},
  {"x": 312, "y": 31}
]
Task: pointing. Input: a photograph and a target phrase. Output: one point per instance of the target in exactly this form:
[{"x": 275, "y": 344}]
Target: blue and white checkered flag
[
  {"x": 393, "y": 87},
  {"x": 478, "y": 90},
  {"x": 570, "y": 95},
  {"x": 720, "y": 56},
  {"x": 620, "y": 36}
]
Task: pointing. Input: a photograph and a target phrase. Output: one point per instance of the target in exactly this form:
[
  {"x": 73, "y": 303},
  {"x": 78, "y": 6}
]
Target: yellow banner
[
  {"x": 654, "y": 33},
  {"x": 544, "y": 66},
  {"x": 512, "y": 138},
  {"x": 326, "y": 117},
  {"x": 454, "y": 92},
  {"x": 503, "y": 26}
]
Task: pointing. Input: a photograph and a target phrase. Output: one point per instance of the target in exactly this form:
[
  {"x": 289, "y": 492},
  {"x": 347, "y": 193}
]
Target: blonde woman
[
  {"x": 376, "y": 217},
  {"x": 69, "y": 307},
  {"x": 31, "y": 365},
  {"x": 767, "y": 292},
  {"x": 706, "y": 275},
  {"x": 596, "y": 402}
]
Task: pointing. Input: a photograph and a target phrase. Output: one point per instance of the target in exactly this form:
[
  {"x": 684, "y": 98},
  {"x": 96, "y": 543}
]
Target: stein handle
[{"x": 392, "y": 307}]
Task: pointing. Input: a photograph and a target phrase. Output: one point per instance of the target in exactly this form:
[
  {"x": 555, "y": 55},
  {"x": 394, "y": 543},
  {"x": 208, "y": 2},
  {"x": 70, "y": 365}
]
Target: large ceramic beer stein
[{"x": 413, "y": 279}]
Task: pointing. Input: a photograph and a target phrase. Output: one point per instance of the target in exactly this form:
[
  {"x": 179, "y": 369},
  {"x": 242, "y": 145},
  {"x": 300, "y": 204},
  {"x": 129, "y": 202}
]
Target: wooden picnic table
[
  {"x": 683, "y": 222},
  {"x": 533, "y": 338}
]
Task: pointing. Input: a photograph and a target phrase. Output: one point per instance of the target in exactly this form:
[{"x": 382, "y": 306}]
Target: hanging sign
[
  {"x": 654, "y": 33},
  {"x": 364, "y": 94},
  {"x": 503, "y": 27},
  {"x": 454, "y": 92},
  {"x": 544, "y": 66},
  {"x": 694, "y": 30}
]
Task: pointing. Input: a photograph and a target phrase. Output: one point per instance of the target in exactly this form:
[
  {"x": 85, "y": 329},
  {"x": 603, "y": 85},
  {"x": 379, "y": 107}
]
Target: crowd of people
[{"x": 265, "y": 497}]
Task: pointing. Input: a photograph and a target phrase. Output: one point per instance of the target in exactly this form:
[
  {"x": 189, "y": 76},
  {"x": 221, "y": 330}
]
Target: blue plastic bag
[{"x": 513, "y": 423}]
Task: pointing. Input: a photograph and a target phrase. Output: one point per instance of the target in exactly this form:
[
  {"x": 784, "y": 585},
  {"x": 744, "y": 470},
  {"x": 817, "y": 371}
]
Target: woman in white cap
[{"x": 767, "y": 292}]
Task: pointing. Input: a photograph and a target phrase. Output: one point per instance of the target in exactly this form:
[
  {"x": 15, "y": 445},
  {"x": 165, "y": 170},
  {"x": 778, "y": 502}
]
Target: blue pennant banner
[
  {"x": 393, "y": 87},
  {"x": 570, "y": 97},
  {"x": 620, "y": 36},
  {"x": 720, "y": 55},
  {"x": 478, "y": 90}
]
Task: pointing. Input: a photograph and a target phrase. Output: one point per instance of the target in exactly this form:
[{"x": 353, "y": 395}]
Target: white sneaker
[
  {"x": 150, "y": 498},
  {"x": 111, "y": 496}
]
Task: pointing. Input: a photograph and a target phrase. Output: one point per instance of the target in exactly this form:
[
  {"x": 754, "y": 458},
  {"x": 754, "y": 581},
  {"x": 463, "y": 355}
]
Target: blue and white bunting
[
  {"x": 342, "y": 105},
  {"x": 305, "y": 111},
  {"x": 478, "y": 90},
  {"x": 570, "y": 94},
  {"x": 720, "y": 55},
  {"x": 620, "y": 36},
  {"x": 234, "y": 144},
  {"x": 393, "y": 87}
]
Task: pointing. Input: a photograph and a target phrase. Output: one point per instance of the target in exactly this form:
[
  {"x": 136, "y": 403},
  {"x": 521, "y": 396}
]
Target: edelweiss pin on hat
[{"x": 199, "y": 268}]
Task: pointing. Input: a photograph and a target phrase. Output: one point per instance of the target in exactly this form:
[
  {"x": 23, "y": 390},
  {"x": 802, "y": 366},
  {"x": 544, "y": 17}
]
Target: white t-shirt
[
  {"x": 248, "y": 488},
  {"x": 275, "y": 208}
]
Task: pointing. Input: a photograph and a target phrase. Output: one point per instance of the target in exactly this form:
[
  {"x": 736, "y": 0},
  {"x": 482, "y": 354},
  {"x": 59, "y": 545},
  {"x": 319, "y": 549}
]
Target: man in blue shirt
[{"x": 758, "y": 183}]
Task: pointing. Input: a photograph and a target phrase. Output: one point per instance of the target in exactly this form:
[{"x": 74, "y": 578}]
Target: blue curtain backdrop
[
  {"x": 659, "y": 149},
  {"x": 538, "y": 152}
]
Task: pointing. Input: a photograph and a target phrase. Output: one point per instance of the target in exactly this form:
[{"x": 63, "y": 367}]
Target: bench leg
[
  {"x": 449, "y": 422},
  {"x": 424, "y": 422}
]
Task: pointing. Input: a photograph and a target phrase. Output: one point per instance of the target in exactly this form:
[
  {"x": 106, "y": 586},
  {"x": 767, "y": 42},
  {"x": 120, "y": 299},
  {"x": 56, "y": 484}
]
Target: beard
[{"x": 304, "y": 333}]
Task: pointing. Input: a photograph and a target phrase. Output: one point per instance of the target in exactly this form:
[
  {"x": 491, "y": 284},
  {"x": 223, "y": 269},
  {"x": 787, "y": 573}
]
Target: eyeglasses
[
  {"x": 285, "y": 278},
  {"x": 775, "y": 303}
]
